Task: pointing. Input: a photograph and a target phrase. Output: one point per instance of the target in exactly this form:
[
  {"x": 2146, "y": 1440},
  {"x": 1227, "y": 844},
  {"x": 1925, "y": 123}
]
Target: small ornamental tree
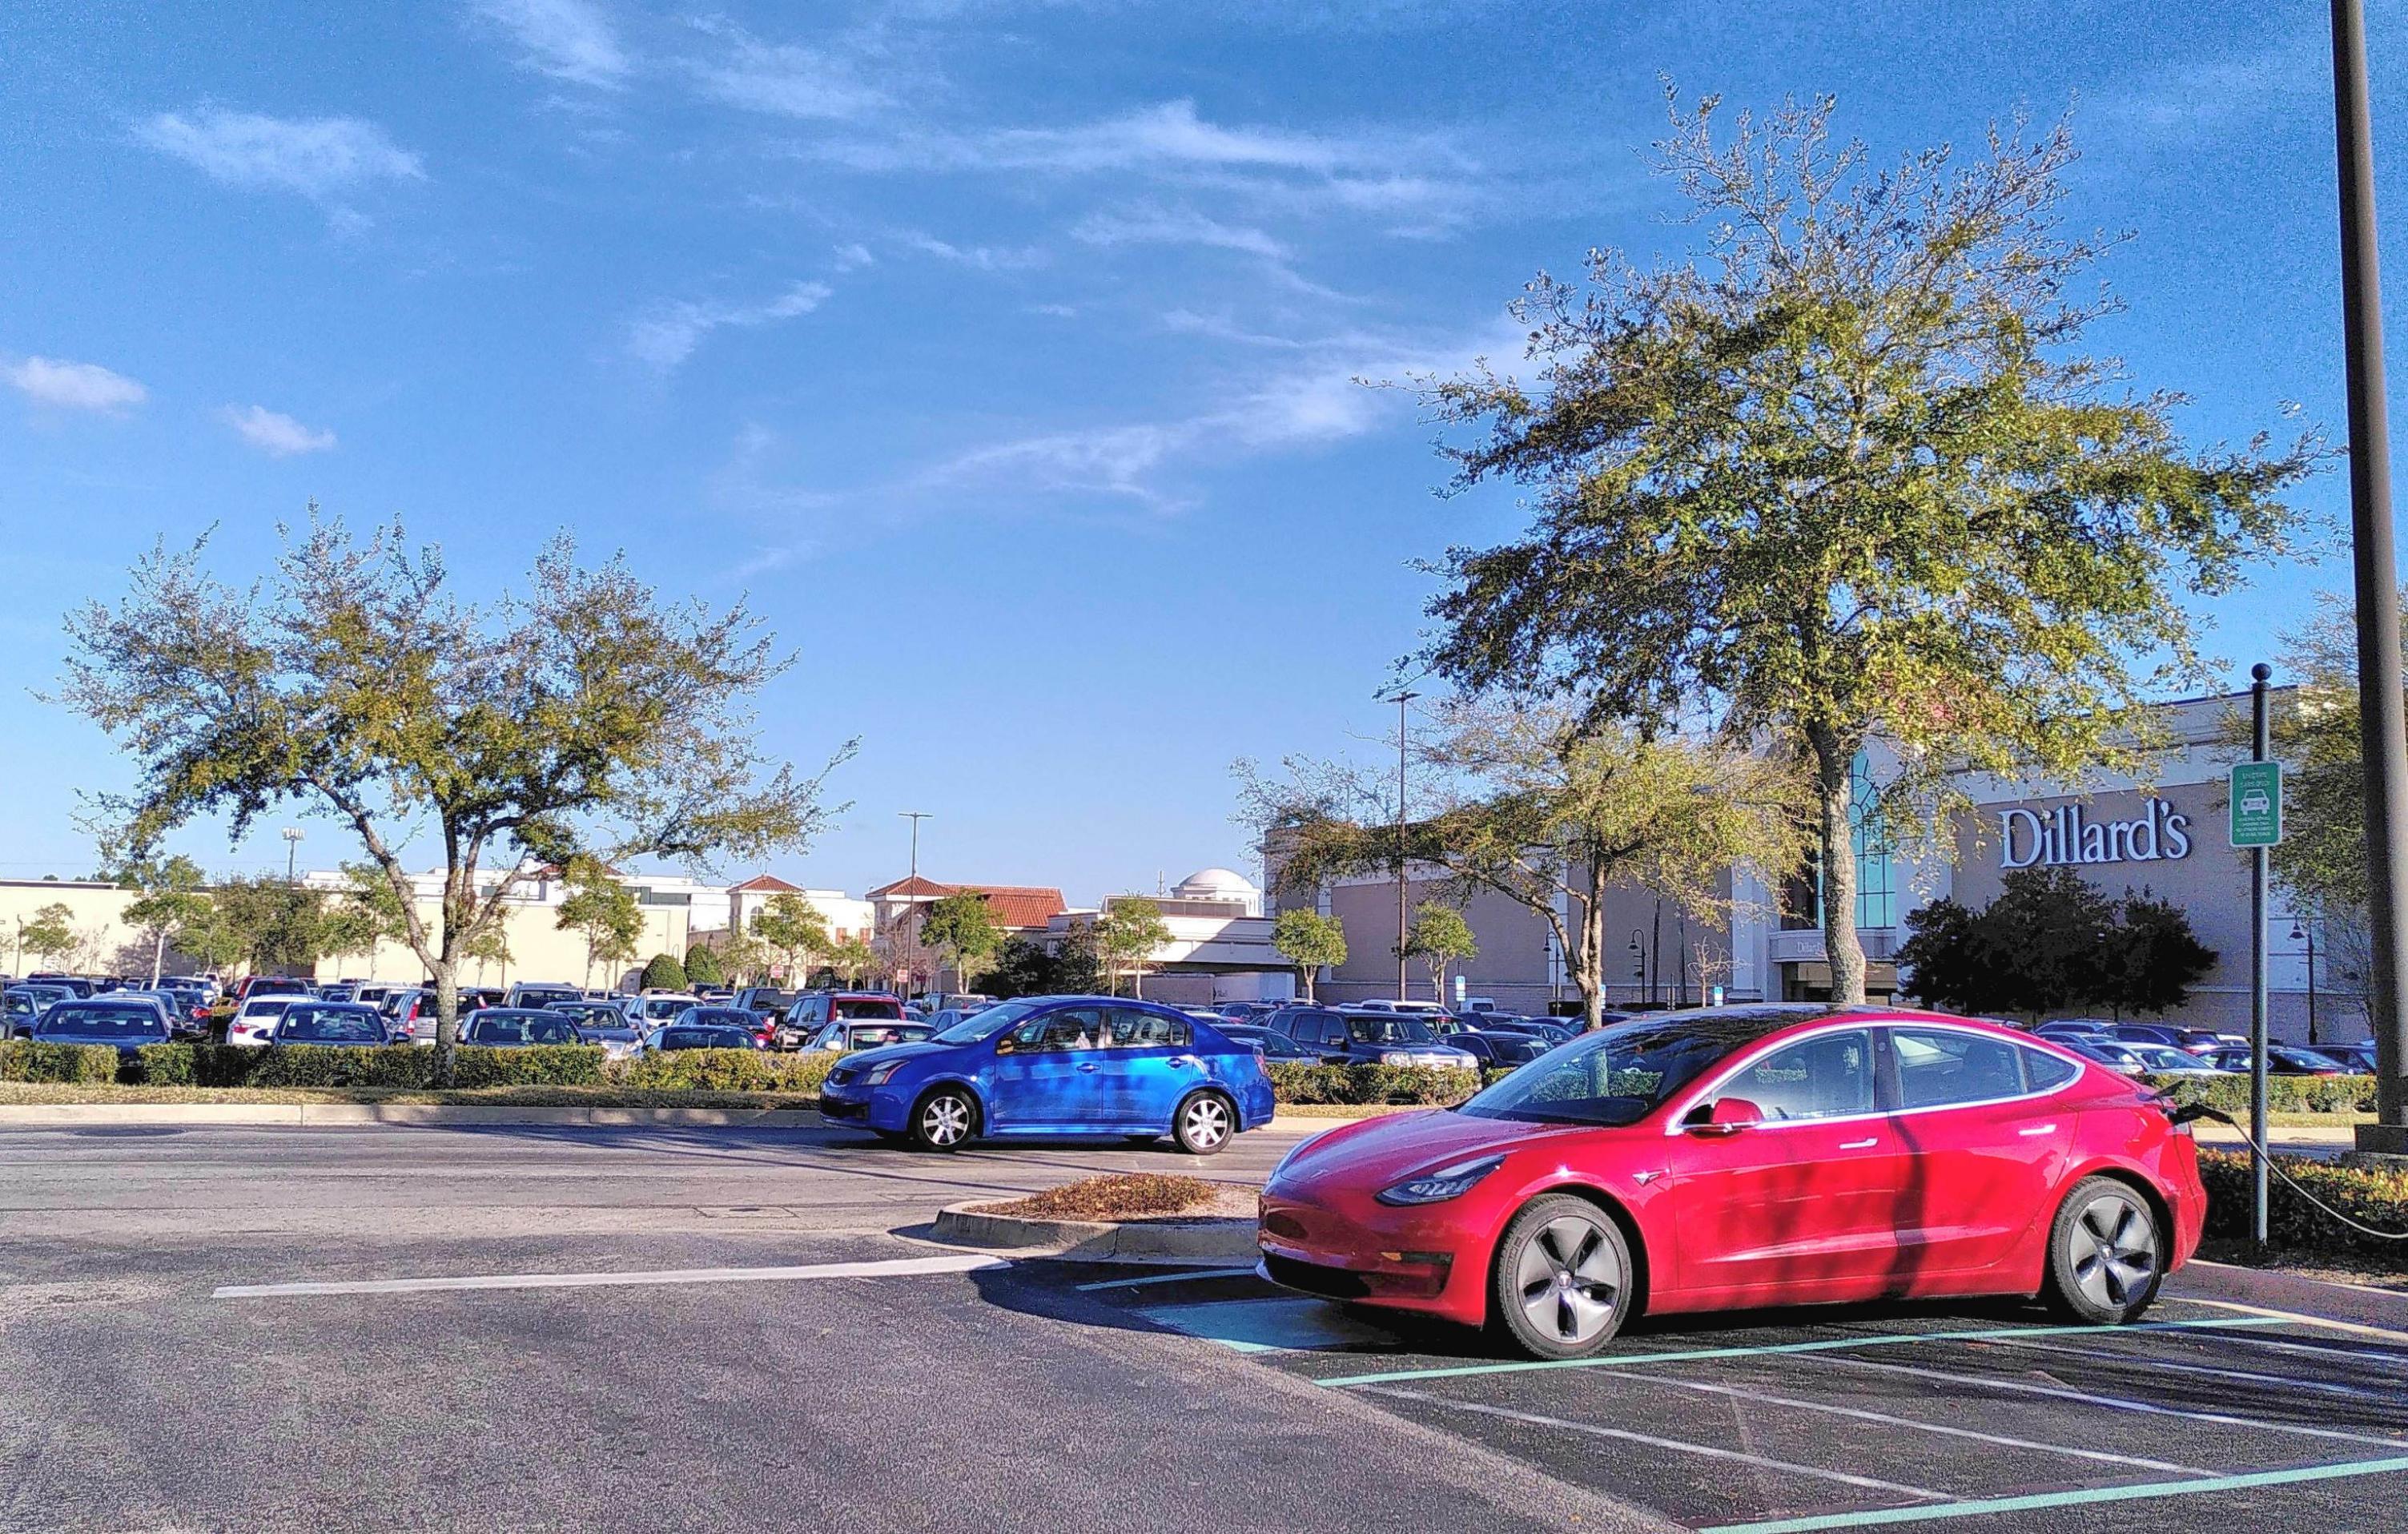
[
  {"x": 1440, "y": 938},
  {"x": 663, "y": 972},
  {"x": 794, "y": 930},
  {"x": 1309, "y": 940},
  {"x": 585, "y": 716},
  {"x": 1127, "y": 937},
  {"x": 489, "y": 946},
  {"x": 702, "y": 966},
  {"x": 2156, "y": 957},
  {"x": 50, "y": 935},
  {"x": 962, "y": 928},
  {"x": 853, "y": 961},
  {"x": 172, "y": 902},
  {"x": 603, "y": 912}
]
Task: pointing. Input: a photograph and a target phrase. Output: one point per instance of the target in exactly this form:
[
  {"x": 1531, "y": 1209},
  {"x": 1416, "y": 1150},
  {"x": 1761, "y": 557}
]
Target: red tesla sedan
[{"x": 1741, "y": 1156}]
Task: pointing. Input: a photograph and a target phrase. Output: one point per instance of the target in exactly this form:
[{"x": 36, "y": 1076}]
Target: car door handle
[
  {"x": 1087, "y": 1067},
  {"x": 1866, "y": 1144},
  {"x": 1183, "y": 1061},
  {"x": 2038, "y": 1129}
]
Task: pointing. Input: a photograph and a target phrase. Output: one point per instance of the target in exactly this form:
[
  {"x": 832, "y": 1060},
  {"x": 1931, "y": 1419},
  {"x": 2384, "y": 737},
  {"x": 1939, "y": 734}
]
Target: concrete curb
[
  {"x": 1097, "y": 1240},
  {"x": 321, "y": 1114}
]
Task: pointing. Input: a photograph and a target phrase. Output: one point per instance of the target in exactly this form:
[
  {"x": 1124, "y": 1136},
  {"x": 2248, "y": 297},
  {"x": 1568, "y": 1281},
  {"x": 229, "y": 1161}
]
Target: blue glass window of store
[{"x": 1876, "y": 877}]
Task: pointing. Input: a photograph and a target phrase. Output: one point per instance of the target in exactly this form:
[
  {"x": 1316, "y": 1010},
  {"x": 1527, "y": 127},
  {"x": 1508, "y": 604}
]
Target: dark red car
[{"x": 1740, "y": 1156}]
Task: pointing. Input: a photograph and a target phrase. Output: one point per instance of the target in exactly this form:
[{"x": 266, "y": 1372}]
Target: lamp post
[
  {"x": 1401, "y": 700},
  {"x": 2301, "y": 931},
  {"x": 2383, "y": 721},
  {"x": 291, "y": 850}
]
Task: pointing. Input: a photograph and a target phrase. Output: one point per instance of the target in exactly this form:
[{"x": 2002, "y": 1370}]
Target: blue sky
[{"x": 1003, "y": 353}]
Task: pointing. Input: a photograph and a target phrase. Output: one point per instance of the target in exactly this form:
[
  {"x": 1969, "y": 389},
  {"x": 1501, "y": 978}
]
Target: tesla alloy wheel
[
  {"x": 945, "y": 1120},
  {"x": 1206, "y": 1122},
  {"x": 2106, "y": 1254},
  {"x": 1563, "y": 1279}
]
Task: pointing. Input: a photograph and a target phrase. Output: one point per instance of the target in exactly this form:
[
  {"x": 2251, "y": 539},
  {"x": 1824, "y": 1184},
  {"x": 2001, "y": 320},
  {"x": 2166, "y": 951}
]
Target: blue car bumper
[{"x": 872, "y": 1107}]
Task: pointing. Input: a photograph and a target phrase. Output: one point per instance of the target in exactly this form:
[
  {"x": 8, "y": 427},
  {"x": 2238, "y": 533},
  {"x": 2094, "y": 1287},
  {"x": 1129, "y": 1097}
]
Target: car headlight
[
  {"x": 1437, "y": 1187},
  {"x": 880, "y": 1075},
  {"x": 1397, "y": 1057}
]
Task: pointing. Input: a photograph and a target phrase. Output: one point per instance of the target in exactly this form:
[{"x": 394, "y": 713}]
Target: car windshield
[
  {"x": 266, "y": 1006},
  {"x": 2306, "y": 1059},
  {"x": 656, "y": 1007},
  {"x": 764, "y": 1001},
  {"x": 980, "y": 1026},
  {"x": 524, "y": 1028},
  {"x": 1402, "y": 1028},
  {"x": 1614, "y": 1076},
  {"x": 880, "y": 1035},
  {"x": 686, "y": 1038},
  {"x": 717, "y": 1017},
  {"x": 339, "y": 1025},
  {"x": 119, "y": 1022}
]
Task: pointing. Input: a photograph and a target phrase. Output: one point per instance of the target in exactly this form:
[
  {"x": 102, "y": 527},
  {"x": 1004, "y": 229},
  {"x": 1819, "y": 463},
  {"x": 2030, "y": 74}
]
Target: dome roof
[{"x": 1215, "y": 884}]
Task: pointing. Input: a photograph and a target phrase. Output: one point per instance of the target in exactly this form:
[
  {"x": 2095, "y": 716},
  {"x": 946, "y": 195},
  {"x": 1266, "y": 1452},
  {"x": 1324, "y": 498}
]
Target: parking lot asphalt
[{"x": 412, "y": 1329}]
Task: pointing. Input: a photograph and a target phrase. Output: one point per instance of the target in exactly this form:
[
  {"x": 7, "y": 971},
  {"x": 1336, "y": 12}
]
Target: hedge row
[
  {"x": 412, "y": 1067},
  {"x": 1368, "y": 1086},
  {"x": 2376, "y": 1199},
  {"x": 27, "y": 1060},
  {"x": 2283, "y": 1093},
  {"x": 723, "y": 1070}
]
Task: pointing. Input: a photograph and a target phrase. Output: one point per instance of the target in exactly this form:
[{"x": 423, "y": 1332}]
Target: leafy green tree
[
  {"x": 1078, "y": 962},
  {"x": 366, "y": 916},
  {"x": 50, "y": 936},
  {"x": 585, "y": 716},
  {"x": 1849, "y": 475},
  {"x": 663, "y": 972},
  {"x": 1309, "y": 940},
  {"x": 491, "y": 945},
  {"x": 702, "y": 966},
  {"x": 602, "y": 910},
  {"x": 794, "y": 930},
  {"x": 1022, "y": 968},
  {"x": 1440, "y": 938},
  {"x": 1536, "y": 802},
  {"x": 2052, "y": 941},
  {"x": 853, "y": 961},
  {"x": 1942, "y": 962},
  {"x": 1127, "y": 936},
  {"x": 962, "y": 928},
  {"x": 273, "y": 925},
  {"x": 2153, "y": 958},
  {"x": 171, "y": 902}
]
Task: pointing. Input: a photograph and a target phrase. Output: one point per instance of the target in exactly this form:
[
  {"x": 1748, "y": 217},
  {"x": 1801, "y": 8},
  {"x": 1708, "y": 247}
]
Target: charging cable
[{"x": 2186, "y": 1112}]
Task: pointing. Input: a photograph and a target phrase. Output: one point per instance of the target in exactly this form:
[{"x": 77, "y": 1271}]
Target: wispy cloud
[
  {"x": 73, "y": 385},
  {"x": 274, "y": 433},
  {"x": 314, "y": 157},
  {"x": 1180, "y": 226},
  {"x": 666, "y": 339},
  {"x": 568, "y": 40},
  {"x": 784, "y": 79},
  {"x": 853, "y": 256},
  {"x": 2178, "y": 102},
  {"x": 986, "y": 258}
]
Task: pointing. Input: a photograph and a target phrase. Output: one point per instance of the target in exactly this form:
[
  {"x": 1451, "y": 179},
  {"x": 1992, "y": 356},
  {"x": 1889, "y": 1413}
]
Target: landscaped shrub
[
  {"x": 160, "y": 1065},
  {"x": 662, "y": 972},
  {"x": 2283, "y": 1093},
  {"x": 30, "y": 1060},
  {"x": 724, "y": 1070},
  {"x": 1371, "y": 1085},
  {"x": 536, "y": 1064},
  {"x": 2376, "y": 1199}
]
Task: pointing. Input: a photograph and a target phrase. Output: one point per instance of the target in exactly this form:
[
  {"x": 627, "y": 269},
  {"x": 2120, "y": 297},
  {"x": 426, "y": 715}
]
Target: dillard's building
[{"x": 2166, "y": 838}]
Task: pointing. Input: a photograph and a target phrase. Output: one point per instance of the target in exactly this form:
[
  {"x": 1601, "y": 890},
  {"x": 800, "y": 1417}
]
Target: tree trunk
[
  {"x": 1304, "y": 972},
  {"x": 447, "y": 1016},
  {"x": 158, "y": 955},
  {"x": 1589, "y": 962},
  {"x": 1835, "y": 790}
]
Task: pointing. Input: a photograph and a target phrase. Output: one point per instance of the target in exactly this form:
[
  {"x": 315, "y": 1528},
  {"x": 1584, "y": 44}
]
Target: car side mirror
[{"x": 1723, "y": 1116}]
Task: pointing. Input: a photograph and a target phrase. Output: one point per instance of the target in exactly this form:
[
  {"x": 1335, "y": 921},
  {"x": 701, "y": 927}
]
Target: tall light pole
[
  {"x": 1401, "y": 700},
  {"x": 915, "y": 817},
  {"x": 2383, "y": 724},
  {"x": 291, "y": 850}
]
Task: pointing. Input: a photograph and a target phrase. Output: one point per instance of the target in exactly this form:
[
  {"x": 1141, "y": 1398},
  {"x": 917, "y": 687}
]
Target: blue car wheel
[{"x": 945, "y": 1119}]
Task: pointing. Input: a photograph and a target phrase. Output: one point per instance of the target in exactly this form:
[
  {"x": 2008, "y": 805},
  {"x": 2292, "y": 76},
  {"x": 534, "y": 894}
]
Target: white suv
[{"x": 254, "y": 1021}]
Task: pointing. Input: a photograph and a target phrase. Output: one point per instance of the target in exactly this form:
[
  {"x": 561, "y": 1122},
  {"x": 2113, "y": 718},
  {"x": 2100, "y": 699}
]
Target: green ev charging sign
[{"x": 2257, "y": 801}]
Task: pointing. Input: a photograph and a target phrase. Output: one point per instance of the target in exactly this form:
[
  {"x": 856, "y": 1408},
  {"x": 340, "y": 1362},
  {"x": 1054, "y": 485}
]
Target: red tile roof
[
  {"x": 767, "y": 883},
  {"x": 1015, "y": 905}
]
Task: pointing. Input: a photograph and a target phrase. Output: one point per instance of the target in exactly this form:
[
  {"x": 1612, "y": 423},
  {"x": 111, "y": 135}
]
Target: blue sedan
[
  {"x": 126, "y": 1026},
  {"x": 1057, "y": 1066}
]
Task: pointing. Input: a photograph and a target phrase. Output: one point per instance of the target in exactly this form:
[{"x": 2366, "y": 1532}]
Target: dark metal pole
[
  {"x": 2311, "y": 931},
  {"x": 1401, "y": 700},
  {"x": 2383, "y": 730},
  {"x": 2257, "y": 745}
]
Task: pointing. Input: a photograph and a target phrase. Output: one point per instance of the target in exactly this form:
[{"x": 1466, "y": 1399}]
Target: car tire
[
  {"x": 1205, "y": 1124},
  {"x": 2106, "y": 1254},
  {"x": 1563, "y": 1280},
  {"x": 945, "y": 1120}
]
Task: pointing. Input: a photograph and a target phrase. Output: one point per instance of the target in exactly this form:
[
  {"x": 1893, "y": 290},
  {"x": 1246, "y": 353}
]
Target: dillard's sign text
[{"x": 2066, "y": 836}]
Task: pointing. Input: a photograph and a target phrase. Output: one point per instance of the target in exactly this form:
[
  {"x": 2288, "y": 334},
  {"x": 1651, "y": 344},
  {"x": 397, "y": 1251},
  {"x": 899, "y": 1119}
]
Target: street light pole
[
  {"x": 1401, "y": 699},
  {"x": 2383, "y": 725},
  {"x": 915, "y": 817},
  {"x": 291, "y": 850}
]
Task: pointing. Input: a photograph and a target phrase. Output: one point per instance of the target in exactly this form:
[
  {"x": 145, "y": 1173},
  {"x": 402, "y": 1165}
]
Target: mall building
[{"x": 2165, "y": 837}]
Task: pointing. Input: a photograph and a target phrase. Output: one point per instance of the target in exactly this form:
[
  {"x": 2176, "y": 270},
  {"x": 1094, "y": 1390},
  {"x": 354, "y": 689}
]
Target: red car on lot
[{"x": 1740, "y": 1156}]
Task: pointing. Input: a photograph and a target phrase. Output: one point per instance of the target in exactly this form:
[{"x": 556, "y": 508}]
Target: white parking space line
[
  {"x": 2150, "y": 1360},
  {"x": 2355, "y": 1328},
  {"x": 1862, "y": 1414},
  {"x": 2113, "y": 1404},
  {"x": 897, "y": 1267},
  {"x": 1561, "y": 1425},
  {"x": 1166, "y": 1278},
  {"x": 2380, "y": 1355}
]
